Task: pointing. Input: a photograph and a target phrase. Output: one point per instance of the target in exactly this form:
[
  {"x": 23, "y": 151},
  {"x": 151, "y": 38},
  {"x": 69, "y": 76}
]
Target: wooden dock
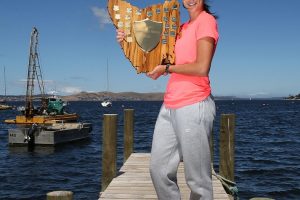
[{"x": 133, "y": 182}]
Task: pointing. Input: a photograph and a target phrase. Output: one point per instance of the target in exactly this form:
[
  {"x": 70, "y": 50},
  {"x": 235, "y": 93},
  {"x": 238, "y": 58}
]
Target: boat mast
[
  {"x": 107, "y": 83},
  {"x": 4, "y": 84}
]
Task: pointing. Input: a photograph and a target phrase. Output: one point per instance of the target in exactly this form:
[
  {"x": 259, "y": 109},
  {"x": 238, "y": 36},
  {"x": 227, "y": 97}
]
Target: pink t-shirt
[{"x": 182, "y": 89}]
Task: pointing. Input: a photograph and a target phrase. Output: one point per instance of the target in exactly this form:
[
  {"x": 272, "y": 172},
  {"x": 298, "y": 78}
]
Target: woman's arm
[
  {"x": 201, "y": 67},
  {"x": 205, "y": 52}
]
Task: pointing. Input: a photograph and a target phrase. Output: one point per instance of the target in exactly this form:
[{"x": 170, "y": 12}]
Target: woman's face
[{"x": 193, "y": 4}]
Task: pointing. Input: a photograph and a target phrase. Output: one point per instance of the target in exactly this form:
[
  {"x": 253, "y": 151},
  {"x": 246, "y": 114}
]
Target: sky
[{"x": 258, "y": 54}]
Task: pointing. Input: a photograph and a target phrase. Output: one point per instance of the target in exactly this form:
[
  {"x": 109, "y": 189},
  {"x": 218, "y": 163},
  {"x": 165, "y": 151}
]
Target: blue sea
[{"x": 267, "y": 146}]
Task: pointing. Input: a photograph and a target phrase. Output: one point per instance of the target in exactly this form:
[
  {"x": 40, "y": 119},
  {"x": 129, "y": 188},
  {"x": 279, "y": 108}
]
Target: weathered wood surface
[
  {"x": 123, "y": 16},
  {"x": 134, "y": 183},
  {"x": 128, "y": 132},
  {"x": 60, "y": 195},
  {"x": 227, "y": 146},
  {"x": 109, "y": 153}
]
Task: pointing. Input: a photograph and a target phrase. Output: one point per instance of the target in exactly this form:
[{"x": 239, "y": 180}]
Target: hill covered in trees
[{"x": 291, "y": 97}]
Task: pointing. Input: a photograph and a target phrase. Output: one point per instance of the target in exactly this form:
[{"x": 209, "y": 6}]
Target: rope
[{"x": 229, "y": 186}]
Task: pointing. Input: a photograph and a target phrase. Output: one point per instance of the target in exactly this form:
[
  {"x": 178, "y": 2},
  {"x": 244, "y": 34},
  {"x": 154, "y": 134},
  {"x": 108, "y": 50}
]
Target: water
[{"x": 267, "y": 151}]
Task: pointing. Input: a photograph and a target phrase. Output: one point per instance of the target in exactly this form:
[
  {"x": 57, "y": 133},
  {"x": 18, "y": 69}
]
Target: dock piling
[
  {"x": 60, "y": 195},
  {"x": 128, "y": 132},
  {"x": 211, "y": 144},
  {"x": 226, "y": 167},
  {"x": 109, "y": 149}
]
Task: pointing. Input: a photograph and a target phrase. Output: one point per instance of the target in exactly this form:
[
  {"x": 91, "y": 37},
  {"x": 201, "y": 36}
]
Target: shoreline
[{"x": 129, "y": 96}]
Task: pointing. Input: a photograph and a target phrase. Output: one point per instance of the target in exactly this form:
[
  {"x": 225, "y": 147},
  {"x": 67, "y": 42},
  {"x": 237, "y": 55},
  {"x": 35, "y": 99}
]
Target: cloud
[
  {"x": 52, "y": 86},
  {"x": 36, "y": 82},
  {"x": 259, "y": 94},
  {"x": 70, "y": 90},
  {"x": 78, "y": 78},
  {"x": 102, "y": 16}
]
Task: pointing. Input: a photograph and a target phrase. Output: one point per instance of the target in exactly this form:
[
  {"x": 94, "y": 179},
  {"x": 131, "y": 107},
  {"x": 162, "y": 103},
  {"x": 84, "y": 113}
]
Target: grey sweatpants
[{"x": 183, "y": 134}]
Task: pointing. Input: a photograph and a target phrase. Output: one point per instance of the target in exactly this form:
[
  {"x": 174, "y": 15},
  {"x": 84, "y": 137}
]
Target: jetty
[{"x": 133, "y": 180}]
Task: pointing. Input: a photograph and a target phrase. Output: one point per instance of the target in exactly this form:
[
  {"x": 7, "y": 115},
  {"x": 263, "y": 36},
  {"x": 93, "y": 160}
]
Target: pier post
[
  {"x": 109, "y": 149},
  {"x": 211, "y": 144},
  {"x": 226, "y": 167},
  {"x": 128, "y": 132},
  {"x": 60, "y": 195}
]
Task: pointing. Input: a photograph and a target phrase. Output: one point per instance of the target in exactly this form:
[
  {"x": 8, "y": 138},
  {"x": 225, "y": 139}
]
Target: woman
[{"x": 185, "y": 121}]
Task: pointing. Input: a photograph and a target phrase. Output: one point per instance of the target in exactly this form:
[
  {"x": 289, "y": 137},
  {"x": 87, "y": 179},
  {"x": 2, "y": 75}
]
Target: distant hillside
[
  {"x": 291, "y": 97},
  {"x": 125, "y": 96},
  {"x": 122, "y": 96},
  {"x": 99, "y": 96}
]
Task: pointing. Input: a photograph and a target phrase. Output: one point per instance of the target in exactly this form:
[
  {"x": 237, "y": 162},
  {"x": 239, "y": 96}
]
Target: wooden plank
[{"x": 133, "y": 182}]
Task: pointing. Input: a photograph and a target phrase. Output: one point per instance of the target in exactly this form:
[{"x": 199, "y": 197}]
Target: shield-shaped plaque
[
  {"x": 150, "y": 32},
  {"x": 147, "y": 33}
]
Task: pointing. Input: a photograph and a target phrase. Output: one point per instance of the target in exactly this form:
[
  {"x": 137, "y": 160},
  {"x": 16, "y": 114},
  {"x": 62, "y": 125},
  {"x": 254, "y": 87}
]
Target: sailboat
[
  {"x": 4, "y": 106},
  {"x": 106, "y": 102}
]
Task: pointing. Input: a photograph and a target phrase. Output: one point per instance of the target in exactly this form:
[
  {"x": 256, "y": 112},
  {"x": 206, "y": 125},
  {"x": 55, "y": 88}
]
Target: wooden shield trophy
[{"x": 150, "y": 32}]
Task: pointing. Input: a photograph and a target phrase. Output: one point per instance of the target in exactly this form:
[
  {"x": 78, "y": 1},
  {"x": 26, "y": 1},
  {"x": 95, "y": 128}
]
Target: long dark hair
[{"x": 207, "y": 9}]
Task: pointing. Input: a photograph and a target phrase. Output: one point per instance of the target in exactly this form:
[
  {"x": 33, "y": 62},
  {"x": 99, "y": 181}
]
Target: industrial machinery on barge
[
  {"x": 47, "y": 124},
  {"x": 50, "y": 108}
]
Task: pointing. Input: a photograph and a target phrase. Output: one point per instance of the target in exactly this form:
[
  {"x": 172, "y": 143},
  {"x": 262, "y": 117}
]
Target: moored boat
[
  {"x": 47, "y": 124},
  {"x": 5, "y": 107},
  {"x": 106, "y": 103},
  {"x": 53, "y": 134}
]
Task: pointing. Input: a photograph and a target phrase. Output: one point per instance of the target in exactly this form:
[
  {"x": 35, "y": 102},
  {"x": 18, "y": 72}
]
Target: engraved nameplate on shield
[{"x": 150, "y": 32}]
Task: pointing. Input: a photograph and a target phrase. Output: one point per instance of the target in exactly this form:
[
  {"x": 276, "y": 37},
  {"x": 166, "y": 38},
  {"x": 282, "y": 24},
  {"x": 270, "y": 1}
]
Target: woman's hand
[
  {"x": 157, "y": 72},
  {"x": 120, "y": 35}
]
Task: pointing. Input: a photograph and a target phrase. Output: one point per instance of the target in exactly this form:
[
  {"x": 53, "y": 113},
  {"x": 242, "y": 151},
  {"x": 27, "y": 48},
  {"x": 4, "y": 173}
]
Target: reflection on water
[
  {"x": 37, "y": 149},
  {"x": 47, "y": 149}
]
